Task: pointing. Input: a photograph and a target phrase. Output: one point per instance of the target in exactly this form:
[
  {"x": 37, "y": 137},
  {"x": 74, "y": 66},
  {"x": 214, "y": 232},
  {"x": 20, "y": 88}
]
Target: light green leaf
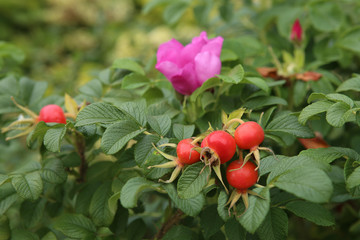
[
  {"x": 350, "y": 40},
  {"x": 174, "y": 11},
  {"x": 313, "y": 109},
  {"x": 288, "y": 123},
  {"x": 99, "y": 208},
  {"x": 313, "y": 212},
  {"x": 309, "y": 183},
  {"x": 92, "y": 89},
  {"x": 354, "y": 178},
  {"x": 260, "y": 83},
  {"x": 352, "y": 84},
  {"x": 326, "y": 16},
  {"x": 263, "y": 101},
  {"x": 337, "y": 97},
  {"x": 136, "y": 110},
  {"x": 183, "y": 131},
  {"x": 49, "y": 236},
  {"x": 133, "y": 188},
  {"x": 3, "y": 178},
  {"x": 257, "y": 211},
  {"x": 99, "y": 113},
  {"x": 161, "y": 124},
  {"x": 128, "y": 64},
  {"x": 193, "y": 180},
  {"x": 53, "y": 138},
  {"x": 338, "y": 114},
  {"x": 275, "y": 225},
  {"x": 210, "y": 83},
  {"x": 235, "y": 75},
  {"x": 75, "y": 226},
  {"x": 118, "y": 134},
  {"x": 330, "y": 154},
  {"x": 134, "y": 80},
  {"x": 28, "y": 186},
  {"x": 191, "y": 206},
  {"x": 53, "y": 171}
]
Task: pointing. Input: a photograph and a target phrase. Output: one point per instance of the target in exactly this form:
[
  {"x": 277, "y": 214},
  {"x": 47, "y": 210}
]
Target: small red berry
[
  {"x": 244, "y": 176},
  {"x": 248, "y": 135},
  {"x": 52, "y": 113},
  {"x": 185, "y": 152},
  {"x": 222, "y": 143}
]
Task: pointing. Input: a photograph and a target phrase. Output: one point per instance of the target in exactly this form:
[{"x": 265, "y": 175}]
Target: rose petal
[
  {"x": 214, "y": 46},
  {"x": 169, "y": 51},
  {"x": 185, "y": 82},
  {"x": 207, "y": 65},
  {"x": 169, "y": 69}
]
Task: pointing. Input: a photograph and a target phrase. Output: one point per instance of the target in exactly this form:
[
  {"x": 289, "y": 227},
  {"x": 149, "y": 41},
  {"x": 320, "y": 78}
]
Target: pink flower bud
[
  {"x": 296, "y": 32},
  {"x": 188, "y": 67}
]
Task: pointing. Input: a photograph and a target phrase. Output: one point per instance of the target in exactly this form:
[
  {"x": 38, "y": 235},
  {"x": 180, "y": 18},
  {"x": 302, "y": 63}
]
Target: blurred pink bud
[
  {"x": 188, "y": 67},
  {"x": 296, "y": 32}
]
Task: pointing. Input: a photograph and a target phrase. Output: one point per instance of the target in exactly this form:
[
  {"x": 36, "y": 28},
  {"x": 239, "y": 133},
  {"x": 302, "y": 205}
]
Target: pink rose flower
[
  {"x": 187, "y": 68},
  {"x": 296, "y": 32}
]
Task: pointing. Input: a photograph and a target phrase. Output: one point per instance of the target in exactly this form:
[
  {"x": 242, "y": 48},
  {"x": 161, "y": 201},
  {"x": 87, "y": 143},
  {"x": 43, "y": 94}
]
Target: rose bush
[{"x": 188, "y": 67}]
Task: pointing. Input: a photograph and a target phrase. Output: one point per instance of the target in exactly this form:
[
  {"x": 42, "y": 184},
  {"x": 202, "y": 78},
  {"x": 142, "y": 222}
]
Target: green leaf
[
  {"x": 313, "y": 109},
  {"x": 30, "y": 91},
  {"x": 93, "y": 89},
  {"x": 5, "y": 232},
  {"x": 99, "y": 113},
  {"x": 28, "y": 186},
  {"x": 330, "y": 154},
  {"x": 354, "y": 178},
  {"x": 75, "y": 226},
  {"x": 260, "y": 83},
  {"x": 99, "y": 208},
  {"x": 161, "y": 124},
  {"x": 337, "y": 97},
  {"x": 136, "y": 230},
  {"x": 191, "y": 206},
  {"x": 257, "y": 211},
  {"x": 136, "y": 110},
  {"x": 222, "y": 209},
  {"x": 53, "y": 171},
  {"x": 352, "y": 84},
  {"x": 178, "y": 232},
  {"x": 174, "y": 11},
  {"x": 350, "y": 40},
  {"x": 128, "y": 64},
  {"x": 235, "y": 75},
  {"x": 338, "y": 114},
  {"x": 132, "y": 189},
  {"x": 326, "y": 16},
  {"x": 144, "y": 149},
  {"x": 134, "y": 80},
  {"x": 49, "y": 236},
  {"x": 10, "y": 50},
  {"x": 349, "y": 168},
  {"x": 309, "y": 183},
  {"x": 53, "y": 138},
  {"x": 210, "y": 83},
  {"x": 38, "y": 133},
  {"x": 193, "y": 180},
  {"x": 263, "y": 101},
  {"x": 23, "y": 235},
  {"x": 210, "y": 221},
  {"x": 8, "y": 197},
  {"x": 32, "y": 212},
  {"x": 275, "y": 225},
  {"x": 183, "y": 131},
  {"x": 234, "y": 230},
  {"x": 118, "y": 134},
  {"x": 313, "y": 212},
  {"x": 3, "y": 178},
  {"x": 288, "y": 123}
]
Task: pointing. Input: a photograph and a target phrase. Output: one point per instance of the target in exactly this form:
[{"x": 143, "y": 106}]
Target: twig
[{"x": 173, "y": 220}]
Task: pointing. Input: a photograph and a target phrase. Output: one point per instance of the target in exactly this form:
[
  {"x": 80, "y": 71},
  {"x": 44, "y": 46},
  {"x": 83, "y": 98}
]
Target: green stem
[{"x": 80, "y": 147}]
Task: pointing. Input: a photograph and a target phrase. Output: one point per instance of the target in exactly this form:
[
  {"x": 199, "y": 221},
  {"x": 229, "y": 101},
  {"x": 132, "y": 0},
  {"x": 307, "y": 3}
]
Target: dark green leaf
[
  {"x": 53, "y": 171},
  {"x": 136, "y": 110},
  {"x": 75, "y": 226},
  {"x": 178, "y": 233},
  {"x": 23, "y": 235},
  {"x": 118, "y": 135},
  {"x": 354, "y": 179},
  {"x": 326, "y": 16},
  {"x": 313, "y": 212},
  {"x": 210, "y": 83},
  {"x": 235, "y": 75},
  {"x": 338, "y": 114},
  {"x": 160, "y": 124},
  {"x": 275, "y": 225},
  {"x": 352, "y": 84},
  {"x": 222, "y": 207},
  {"x": 260, "y": 83},
  {"x": 99, "y": 208},
  {"x": 53, "y": 138},
  {"x": 28, "y": 186},
  {"x": 257, "y": 211},
  {"x": 98, "y": 113},
  {"x": 210, "y": 221},
  {"x": 8, "y": 197},
  {"x": 93, "y": 89},
  {"x": 134, "y": 80},
  {"x": 263, "y": 101},
  {"x": 350, "y": 40},
  {"x": 313, "y": 109},
  {"x": 32, "y": 212},
  {"x": 193, "y": 180}
]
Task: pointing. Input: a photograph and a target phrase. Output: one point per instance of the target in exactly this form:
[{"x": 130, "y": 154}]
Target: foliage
[{"x": 97, "y": 176}]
